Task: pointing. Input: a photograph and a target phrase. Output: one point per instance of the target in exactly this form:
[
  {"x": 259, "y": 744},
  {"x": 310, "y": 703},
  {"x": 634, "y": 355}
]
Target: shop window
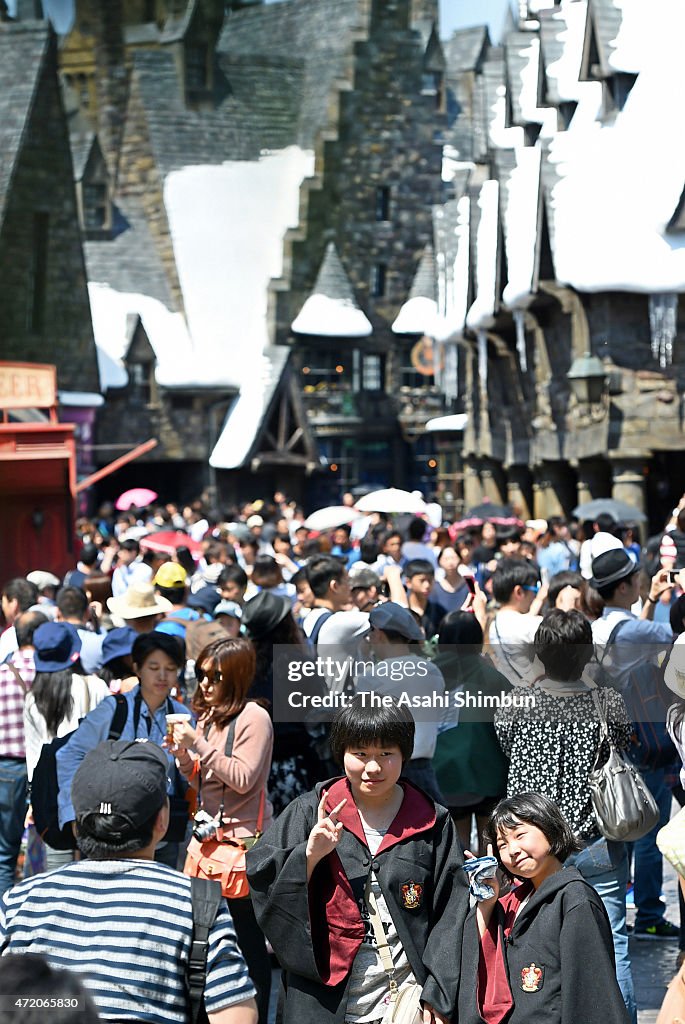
[
  {"x": 379, "y": 276},
  {"x": 372, "y": 372},
  {"x": 382, "y": 203}
]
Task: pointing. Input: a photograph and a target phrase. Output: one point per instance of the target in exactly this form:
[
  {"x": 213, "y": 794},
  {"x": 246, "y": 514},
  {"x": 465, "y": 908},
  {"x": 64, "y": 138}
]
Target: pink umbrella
[
  {"x": 137, "y": 497},
  {"x": 168, "y": 540}
]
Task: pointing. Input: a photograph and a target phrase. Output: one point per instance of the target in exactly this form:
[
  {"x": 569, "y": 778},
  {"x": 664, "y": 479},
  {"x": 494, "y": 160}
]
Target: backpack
[
  {"x": 199, "y": 633},
  {"x": 45, "y": 787},
  {"x": 206, "y": 899},
  {"x": 647, "y": 699}
]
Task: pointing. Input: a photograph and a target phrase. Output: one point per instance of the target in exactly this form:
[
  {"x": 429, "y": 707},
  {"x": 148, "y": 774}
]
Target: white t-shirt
[
  {"x": 368, "y": 995},
  {"x": 417, "y": 677},
  {"x": 511, "y": 637},
  {"x": 35, "y": 726}
]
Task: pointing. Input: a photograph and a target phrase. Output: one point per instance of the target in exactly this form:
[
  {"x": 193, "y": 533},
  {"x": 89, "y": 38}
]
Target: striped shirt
[
  {"x": 12, "y": 697},
  {"x": 125, "y": 926}
]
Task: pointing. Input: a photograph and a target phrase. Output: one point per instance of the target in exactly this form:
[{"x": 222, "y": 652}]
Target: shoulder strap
[
  {"x": 504, "y": 650},
  {"x": 15, "y": 672},
  {"x": 381, "y": 937},
  {"x": 611, "y": 639},
  {"x": 119, "y": 718},
  {"x": 206, "y": 898},
  {"x": 314, "y": 635}
]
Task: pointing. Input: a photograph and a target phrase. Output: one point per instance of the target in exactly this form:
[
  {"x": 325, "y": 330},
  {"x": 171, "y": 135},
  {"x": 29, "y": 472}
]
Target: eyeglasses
[{"x": 533, "y": 590}]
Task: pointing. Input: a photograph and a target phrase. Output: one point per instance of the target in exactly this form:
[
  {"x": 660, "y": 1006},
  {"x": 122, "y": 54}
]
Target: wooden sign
[{"x": 27, "y": 386}]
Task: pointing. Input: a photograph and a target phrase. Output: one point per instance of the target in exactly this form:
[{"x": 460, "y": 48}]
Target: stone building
[
  {"x": 44, "y": 313},
  {"x": 272, "y": 174},
  {"x": 562, "y": 258}
]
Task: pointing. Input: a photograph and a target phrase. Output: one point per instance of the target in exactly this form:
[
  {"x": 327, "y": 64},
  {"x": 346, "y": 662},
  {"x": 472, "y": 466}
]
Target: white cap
[
  {"x": 42, "y": 579},
  {"x": 602, "y": 542}
]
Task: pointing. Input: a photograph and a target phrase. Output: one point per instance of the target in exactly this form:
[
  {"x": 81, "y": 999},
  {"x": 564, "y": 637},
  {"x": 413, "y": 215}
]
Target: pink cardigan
[{"x": 244, "y": 774}]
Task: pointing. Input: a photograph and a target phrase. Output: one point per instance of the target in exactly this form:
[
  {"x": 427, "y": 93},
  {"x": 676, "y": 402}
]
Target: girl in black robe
[{"x": 309, "y": 875}]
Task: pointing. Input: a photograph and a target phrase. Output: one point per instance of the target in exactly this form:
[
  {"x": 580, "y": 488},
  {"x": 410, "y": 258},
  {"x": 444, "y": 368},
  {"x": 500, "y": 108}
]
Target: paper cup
[{"x": 171, "y": 720}]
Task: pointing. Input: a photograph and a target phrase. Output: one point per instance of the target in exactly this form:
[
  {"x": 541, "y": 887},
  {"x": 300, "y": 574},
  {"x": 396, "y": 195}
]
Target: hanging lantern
[
  {"x": 663, "y": 323},
  {"x": 588, "y": 379}
]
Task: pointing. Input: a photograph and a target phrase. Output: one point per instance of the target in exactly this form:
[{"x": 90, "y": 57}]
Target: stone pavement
[{"x": 653, "y": 961}]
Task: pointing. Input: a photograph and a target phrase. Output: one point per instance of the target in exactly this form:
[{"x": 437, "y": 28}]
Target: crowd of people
[{"x": 148, "y": 680}]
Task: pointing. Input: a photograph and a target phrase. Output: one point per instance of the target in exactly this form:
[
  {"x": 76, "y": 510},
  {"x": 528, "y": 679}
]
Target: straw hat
[{"x": 140, "y": 600}]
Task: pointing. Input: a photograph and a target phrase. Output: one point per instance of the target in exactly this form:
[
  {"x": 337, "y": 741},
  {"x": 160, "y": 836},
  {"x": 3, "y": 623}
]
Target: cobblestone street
[{"x": 654, "y": 962}]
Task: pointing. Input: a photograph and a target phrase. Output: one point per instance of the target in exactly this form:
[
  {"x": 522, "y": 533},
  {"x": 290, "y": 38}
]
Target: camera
[{"x": 204, "y": 827}]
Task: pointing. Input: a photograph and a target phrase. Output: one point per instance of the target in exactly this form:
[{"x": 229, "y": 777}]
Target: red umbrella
[
  {"x": 168, "y": 540},
  {"x": 137, "y": 497}
]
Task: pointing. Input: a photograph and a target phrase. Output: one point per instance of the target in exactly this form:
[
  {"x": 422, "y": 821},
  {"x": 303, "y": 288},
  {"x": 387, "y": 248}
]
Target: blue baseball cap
[
  {"x": 118, "y": 643},
  {"x": 57, "y": 646}
]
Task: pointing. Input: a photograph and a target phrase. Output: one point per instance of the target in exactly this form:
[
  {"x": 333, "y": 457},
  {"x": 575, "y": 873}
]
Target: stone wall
[
  {"x": 387, "y": 137},
  {"x": 43, "y": 186}
]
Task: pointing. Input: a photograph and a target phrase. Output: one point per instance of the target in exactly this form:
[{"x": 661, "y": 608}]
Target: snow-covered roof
[
  {"x": 331, "y": 310},
  {"x": 453, "y": 258},
  {"x": 245, "y": 416},
  {"x": 563, "y": 34},
  {"x": 482, "y": 312},
  {"x": 178, "y": 360},
  {"x": 612, "y": 201},
  {"x": 627, "y": 48},
  {"x": 417, "y": 315},
  {"x": 447, "y": 423}
]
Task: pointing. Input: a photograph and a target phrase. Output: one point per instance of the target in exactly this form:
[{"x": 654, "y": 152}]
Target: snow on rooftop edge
[
  {"x": 331, "y": 318},
  {"x": 482, "y": 311},
  {"x": 613, "y": 202},
  {"x": 417, "y": 316},
  {"x": 245, "y": 416},
  {"x": 521, "y": 224},
  {"x": 570, "y": 22}
]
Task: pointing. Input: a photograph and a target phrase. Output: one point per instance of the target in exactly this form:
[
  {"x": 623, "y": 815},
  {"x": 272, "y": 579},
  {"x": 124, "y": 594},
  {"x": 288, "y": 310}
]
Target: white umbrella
[
  {"x": 392, "y": 499},
  {"x": 329, "y": 518}
]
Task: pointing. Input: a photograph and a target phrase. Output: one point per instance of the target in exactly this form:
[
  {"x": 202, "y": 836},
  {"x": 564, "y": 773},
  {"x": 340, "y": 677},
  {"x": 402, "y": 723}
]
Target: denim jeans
[
  {"x": 648, "y": 870},
  {"x": 604, "y": 865},
  {"x": 13, "y": 791}
]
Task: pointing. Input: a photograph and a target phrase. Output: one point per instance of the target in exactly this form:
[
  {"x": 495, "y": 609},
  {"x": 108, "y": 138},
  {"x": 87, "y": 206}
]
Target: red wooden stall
[{"x": 37, "y": 476}]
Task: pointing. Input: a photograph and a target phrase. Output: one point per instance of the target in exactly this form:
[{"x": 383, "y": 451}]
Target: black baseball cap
[{"x": 123, "y": 778}]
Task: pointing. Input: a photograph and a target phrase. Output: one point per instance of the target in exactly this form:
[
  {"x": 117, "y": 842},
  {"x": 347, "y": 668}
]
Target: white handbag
[{"x": 405, "y": 1000}]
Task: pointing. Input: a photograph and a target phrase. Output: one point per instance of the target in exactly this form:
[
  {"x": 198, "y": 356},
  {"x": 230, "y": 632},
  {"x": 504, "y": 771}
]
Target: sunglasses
[{"x": 533, "y": 590}]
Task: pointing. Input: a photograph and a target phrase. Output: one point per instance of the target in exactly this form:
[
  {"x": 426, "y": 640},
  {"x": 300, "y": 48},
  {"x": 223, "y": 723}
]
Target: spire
[
  {"x": 331, "y": 311},
  {"x": 418, "y": 313}
]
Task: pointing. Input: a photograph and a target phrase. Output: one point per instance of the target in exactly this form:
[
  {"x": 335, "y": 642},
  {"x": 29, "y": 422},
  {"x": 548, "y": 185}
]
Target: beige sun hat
[{"x": 140, "y": 599}]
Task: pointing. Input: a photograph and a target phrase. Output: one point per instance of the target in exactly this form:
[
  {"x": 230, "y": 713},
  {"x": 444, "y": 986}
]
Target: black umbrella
[{"x": 620, "y": 511}]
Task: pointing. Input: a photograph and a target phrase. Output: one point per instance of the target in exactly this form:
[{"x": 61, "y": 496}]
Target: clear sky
[
  {"x": 462, "y": 13},
  {"x": 453, "y": 14}
]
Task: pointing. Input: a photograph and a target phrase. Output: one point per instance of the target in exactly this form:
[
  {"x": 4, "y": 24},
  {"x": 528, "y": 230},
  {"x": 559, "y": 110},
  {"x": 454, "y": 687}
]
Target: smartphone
[
  {"x": 470, "y": 582},
  {"x": 673, "y": 576}
]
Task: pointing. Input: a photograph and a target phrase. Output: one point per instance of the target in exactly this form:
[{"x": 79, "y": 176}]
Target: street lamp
[{"x": 588, "y": 379}]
